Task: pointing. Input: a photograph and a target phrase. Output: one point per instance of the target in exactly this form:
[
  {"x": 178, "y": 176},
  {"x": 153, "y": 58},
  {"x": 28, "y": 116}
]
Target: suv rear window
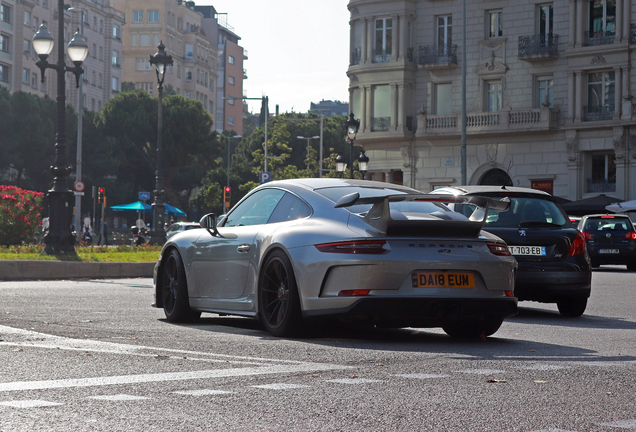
[
  {"x": 611, "y": 223},
  {"x": 524, "y": 211}
]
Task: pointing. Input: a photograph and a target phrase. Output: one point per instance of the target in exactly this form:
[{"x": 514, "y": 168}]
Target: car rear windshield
[
  {"x": 607, "y": 223},
  {"x": 411, "y": 209},
  {"x": 524, "y": 212}
]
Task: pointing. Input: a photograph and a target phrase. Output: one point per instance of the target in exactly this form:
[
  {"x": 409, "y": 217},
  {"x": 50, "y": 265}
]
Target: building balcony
[
  {"x": 380, "y": 124},
  {"x": 539, "y": 119},
  {"x": 437, "y": 56},
  {"x": 598, "y": 112},
  {"x": 593, "y": 38},
  {"x": 356, "y": 56},
  {"x": 599, "y": 185},
  {"x": 381, "y": 56},
  {"x": 538, "y": 47}
]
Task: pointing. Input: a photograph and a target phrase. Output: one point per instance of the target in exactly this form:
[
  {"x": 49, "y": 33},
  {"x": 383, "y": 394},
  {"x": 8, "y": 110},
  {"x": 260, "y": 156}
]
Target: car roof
[
  {"x": 606, "y": 216},
  {"x": 477, "y": 189},
  {"x": 322, "y": 183}
]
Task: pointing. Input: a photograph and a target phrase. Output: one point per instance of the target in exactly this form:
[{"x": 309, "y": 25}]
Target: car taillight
[
  {"x": 630, "y": 235},
  {"x": 354, "y": 247},
  {"x": 587, "y": 235},
  {"x": 578, "y": 245},
  {"x": 499, "y": 249},
  {"x": 348, "y": 293}
]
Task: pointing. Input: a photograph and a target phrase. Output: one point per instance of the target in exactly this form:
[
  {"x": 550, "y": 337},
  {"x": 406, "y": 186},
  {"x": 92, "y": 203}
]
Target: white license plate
[
  {"x": 527, "y": 250},
  {"x": 608, "y": 251}
]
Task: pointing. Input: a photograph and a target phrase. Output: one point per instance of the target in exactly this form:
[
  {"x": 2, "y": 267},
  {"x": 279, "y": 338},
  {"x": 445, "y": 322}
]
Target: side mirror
[{"x": 209, "y": 223}]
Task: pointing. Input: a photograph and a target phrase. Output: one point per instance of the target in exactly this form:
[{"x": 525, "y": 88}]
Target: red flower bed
[{"x": 19, "y": 215}]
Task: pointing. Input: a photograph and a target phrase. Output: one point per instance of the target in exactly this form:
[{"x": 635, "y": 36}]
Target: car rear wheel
[
  {"x": 473, "y": 328},
  {"x": 572, "y": 307},
  {"x": 278, "y": 301},
  {"x": 174, "y": 290}
]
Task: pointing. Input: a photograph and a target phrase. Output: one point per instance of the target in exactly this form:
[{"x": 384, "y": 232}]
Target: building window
[
  {"x": 26, "y": 46},
  {"x": 115, "y": 58},
  {"x": 230, "y": 121},
  {"x": 383, "y": 40},
  {"x": 138, "y": 16},
  {"x": 133, "y": 40},
  {"x": 602, "y": 17},
  {"x": 27, "y": 18},
  {"x": 230, "y": 101},
  {"x": 494, "y": 95},
  {"x": 600, "y": 96},
  {"x": 26, "y": 76},
  {"x": 115, "y": 84},
  {"x": 444, "y": 34},
  {"x": 546, "y": 26},
  {"x": 153, "y": 16},
  {"x": 116, "y": 32},
  {"x": 101, "y": 54},
  {"x": 602, "y": 172},
  {"x": 544, "y": 92},
  {"x": 34, "y": 81},
  {"x": 443, "y": 98},
  {"x": 5, "y": 43},
  {"x": 495, "y": 29},
  {"x": 230, "y": 59},
  {"x": 188, "y": 74},
  {"x": 219, "y": 117},
  {"x": 381, "y": 117},
  {"x": 144, "y": 40},
  {"x": 230, "y": 80},
  {"x": 45, "y": 3},
  {"x": 143, "y": 64},
  {"x": 189, "y": 51},
  {"x": 4, "y": 73},
  {"x": 5, "y": 13},
  {"x": 188, "y": 94},
  {"x": 155, "y": 38}
]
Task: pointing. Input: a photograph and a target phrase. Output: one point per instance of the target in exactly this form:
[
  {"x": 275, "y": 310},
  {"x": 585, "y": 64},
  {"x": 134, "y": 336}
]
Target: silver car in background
[{"x": 347, "y": 250}]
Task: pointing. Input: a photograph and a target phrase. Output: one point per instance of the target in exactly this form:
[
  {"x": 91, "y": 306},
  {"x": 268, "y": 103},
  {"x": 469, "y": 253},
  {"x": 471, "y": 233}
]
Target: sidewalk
[{"x": 56, "y": 270}]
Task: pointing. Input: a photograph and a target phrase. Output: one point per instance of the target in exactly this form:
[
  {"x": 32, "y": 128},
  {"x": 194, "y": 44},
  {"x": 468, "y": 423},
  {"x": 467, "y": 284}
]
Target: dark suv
[
  {"x": 611, "y": 239},
  {"x": 554, "y": 266}
]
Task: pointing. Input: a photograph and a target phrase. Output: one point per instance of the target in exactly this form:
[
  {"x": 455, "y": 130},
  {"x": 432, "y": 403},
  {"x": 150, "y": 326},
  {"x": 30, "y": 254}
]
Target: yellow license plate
[{"x": 443, "y": 280}]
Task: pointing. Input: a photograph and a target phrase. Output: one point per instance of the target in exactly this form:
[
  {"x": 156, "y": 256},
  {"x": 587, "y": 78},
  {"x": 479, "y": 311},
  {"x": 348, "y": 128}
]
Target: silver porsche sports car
[{"x": 293, "y": 251}]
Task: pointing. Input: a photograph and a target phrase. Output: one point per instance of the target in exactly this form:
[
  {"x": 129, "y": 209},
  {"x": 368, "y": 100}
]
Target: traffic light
[
  {"x": 226, "y": 196},
  {"x": 101, "y": 196}
]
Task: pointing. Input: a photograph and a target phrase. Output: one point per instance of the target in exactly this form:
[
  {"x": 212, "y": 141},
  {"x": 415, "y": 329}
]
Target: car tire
[
  {"x": 473, "y": 328},
  {"x": 174, "y": 290},
  {"x": 572, "y": 307},
  {"x": 278, "y": 300}
]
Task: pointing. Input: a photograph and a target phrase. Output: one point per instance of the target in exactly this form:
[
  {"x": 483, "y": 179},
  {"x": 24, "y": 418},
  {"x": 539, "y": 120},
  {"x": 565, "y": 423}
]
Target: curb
[{"x": 59, "y": 270}]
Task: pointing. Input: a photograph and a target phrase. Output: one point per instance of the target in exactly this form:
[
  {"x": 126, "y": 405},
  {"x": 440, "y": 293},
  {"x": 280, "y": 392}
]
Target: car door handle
[{"x": 243, "y": 248}]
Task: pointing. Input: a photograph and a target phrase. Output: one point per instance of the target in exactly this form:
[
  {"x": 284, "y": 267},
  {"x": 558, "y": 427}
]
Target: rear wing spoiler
[{"x": 379, "y": 216}]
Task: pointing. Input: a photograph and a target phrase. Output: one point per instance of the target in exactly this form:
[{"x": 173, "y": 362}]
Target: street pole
[
  {"x": 266, "y": 121},
  {"x": 78, "y": 161},
  {"x": 322, "y": 118}
]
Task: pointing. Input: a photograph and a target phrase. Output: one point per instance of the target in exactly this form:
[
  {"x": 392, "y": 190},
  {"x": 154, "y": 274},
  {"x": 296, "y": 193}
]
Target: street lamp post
[
  {"x": 363, "y": 163},
  {"x": 161, "y": 61},
  {"x": 78, "y": 160},
  {"x": 309, "y": 138},
  {"x": 229, "y": 138},
  {"x": 60, "y": 199},
  {"x": 352, "y": 126}
]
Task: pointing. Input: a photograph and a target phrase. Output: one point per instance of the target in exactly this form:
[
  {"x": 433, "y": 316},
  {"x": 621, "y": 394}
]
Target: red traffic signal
[
  {"x": 226, "y": 195},
  {"x": 228, "y": 189}
]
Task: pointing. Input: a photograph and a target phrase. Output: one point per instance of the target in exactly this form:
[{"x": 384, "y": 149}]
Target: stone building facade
[{"x": 549, "y": 93}]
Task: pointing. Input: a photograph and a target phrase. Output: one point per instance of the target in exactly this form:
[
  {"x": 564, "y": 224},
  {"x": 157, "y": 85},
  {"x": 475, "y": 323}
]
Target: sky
[{"x": 298, "y": 50}]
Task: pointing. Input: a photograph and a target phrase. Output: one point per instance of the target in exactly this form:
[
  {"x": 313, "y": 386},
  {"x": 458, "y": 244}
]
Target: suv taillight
[
  {"x": 630, "y": 235},
  {"x": 578, "y": 245},
  {"x": 588, "y": 236}
]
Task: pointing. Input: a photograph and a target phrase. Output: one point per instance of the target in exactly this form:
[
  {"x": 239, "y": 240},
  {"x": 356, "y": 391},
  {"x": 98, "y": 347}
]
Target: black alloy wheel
[
  {"x": 278, "y": 302},
  {"x": 174, "y": 290}
]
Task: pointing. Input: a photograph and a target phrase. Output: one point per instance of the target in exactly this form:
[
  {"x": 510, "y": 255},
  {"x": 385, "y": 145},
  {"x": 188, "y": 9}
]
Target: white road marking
[
  {"x": 29, "y": 404},
  {"x": 354, "y": 381},
  {"x": 203, "y": 392},
  {"x": 482, "y": 371},
  {"x": 170, "y": 376},
  {"x": 625, "y": 424},
  {"x": 118, "y": 397},
  {"x": 423, "y": 376},
  {"x": 553, "y": 430},
  {"x": 281, "y": 386},
  {"x": 543, "y": 367}
]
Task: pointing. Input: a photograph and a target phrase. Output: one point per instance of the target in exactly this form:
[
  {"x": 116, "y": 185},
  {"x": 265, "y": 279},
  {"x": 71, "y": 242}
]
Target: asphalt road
[{"x": 94, "y": 356}]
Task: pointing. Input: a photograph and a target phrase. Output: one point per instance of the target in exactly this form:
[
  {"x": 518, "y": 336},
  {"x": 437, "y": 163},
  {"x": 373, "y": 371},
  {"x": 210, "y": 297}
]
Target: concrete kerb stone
[{"x": 57, "y": 270}]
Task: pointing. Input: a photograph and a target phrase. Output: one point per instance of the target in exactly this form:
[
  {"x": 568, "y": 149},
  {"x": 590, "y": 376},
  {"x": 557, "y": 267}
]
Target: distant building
[
  {"x": 102, "y": 26},
  {"x": 330, "y": 108}
]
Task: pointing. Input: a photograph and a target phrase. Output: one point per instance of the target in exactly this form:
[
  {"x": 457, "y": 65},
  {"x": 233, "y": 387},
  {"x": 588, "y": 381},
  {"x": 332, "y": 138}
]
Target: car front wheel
[
  {"x": 278, "y": 301},
  {"x": 473, "y": 328},
  {"x": 572, "y": 307},
  {"x": 174, "y": 290}
]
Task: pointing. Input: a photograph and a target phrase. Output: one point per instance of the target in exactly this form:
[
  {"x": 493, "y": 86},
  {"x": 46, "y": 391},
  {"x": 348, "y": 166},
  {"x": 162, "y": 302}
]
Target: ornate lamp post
[
  {"x": 363, "y": 163},
  {"x": 352, "y": 126},
  {"x": 161, "y": 60},
  {"x": 59, "y": 197}
]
